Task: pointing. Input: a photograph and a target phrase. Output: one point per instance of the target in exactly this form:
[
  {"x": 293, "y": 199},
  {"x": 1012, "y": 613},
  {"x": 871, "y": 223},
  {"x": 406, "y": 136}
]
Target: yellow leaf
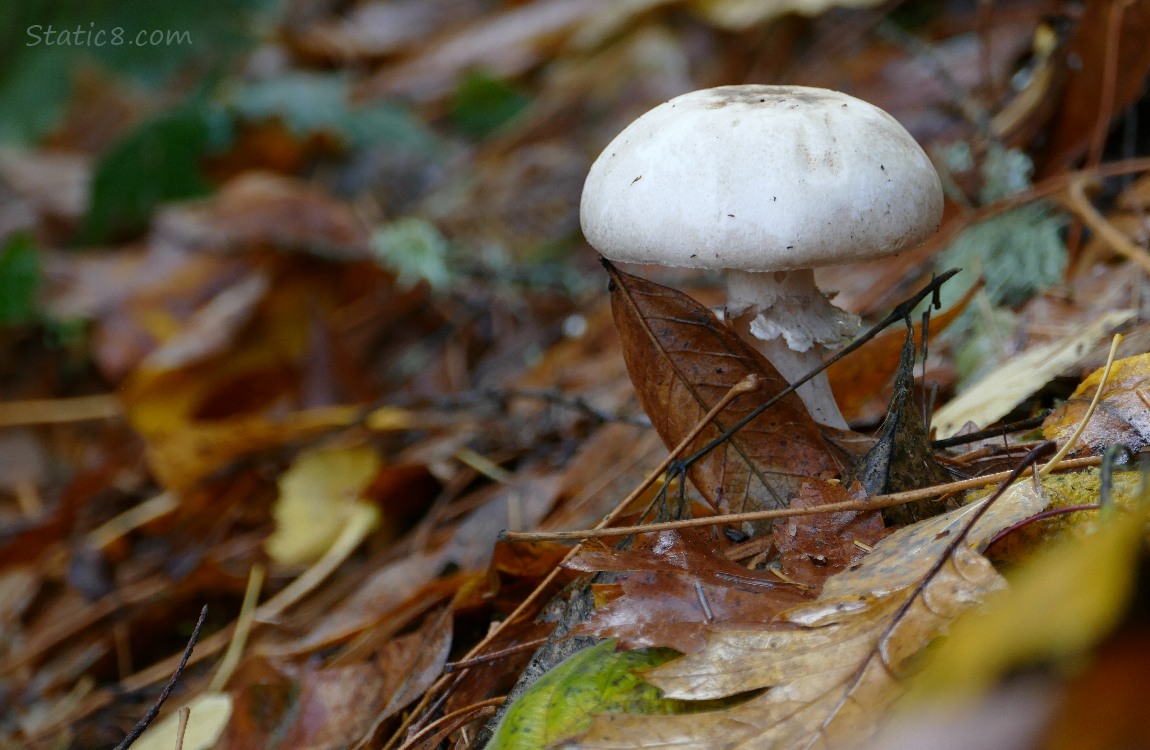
[
  {"x": 209, "y": 715},
  {"x": 1063, "y": 601},
  {"x": 181, "y": 457},
  {"x": 992, "y": 397},
  {"x": 1122, "y": 415},
  {"x": 317, "y": 496}
]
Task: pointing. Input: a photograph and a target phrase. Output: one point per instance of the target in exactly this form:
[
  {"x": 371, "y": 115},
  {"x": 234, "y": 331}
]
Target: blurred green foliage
[
  {"x": 1017, "y": 254},
  {"x": 482, "y": 103},
  {"x": 415, "y": 249},
  {"x": 310, "y": 103},
  {"x": 159, "y": 161},
  {"x": 19, "y": 280},
  {"x": 45, "y": 41}
]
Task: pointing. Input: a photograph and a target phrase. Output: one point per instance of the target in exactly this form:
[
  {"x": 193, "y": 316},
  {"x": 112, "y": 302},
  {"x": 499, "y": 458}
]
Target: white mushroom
[{"x": 768, "y": 182}]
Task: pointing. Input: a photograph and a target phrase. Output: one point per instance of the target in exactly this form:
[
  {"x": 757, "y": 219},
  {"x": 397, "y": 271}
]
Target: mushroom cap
[{"x": 760, "y": 178}]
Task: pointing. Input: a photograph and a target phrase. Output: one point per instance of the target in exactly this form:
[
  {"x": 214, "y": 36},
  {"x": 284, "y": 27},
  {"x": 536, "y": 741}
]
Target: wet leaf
[
  {"x": 828, "y": 681},
  {"x": 673, "y": 586},
  {"x": 1122, "y": 415},
  {"x": 812, "y": 548},
  {"x": 1062, "y": 601},
  {"x": 682, "y": 361}
]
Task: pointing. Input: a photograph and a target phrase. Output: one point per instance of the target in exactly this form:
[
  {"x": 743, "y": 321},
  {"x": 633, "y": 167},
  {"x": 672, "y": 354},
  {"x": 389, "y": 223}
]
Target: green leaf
[
  {"x": 483, "y": 103},
  {"x": 597, "y": 680},
  {"x": 19, "y": 280},
  {"x": 157, "y": 162}
]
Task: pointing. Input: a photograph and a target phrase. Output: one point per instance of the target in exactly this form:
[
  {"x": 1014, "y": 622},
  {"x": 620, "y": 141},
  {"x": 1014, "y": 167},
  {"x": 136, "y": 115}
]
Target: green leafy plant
[{"x": 19, "y": 280}]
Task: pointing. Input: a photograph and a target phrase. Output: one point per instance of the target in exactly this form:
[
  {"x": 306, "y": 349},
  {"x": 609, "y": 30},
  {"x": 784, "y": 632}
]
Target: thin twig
[
  {"x": 143, "y": 723},
  {"x": 1069, "y": 444},
  {"x": 1080, "y": 205},
  {"x": 876, "y": 502}
]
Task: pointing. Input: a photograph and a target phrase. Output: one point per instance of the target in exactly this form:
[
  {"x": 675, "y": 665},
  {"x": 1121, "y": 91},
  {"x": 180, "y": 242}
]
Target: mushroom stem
[{"x": 793, "y": 324}]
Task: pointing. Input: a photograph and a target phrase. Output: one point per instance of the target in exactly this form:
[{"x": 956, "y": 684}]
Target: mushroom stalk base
[{"x": 793, "y": 324}]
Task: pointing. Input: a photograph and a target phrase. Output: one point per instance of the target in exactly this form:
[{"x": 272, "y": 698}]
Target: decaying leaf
[
  {"x": 673, "y": 586},
  {"x": 1122, "y": 415},
  {"x": 1064, "y": 600},
  {"x": 810, "y": 549},
  {"x": 682, "y": 361},
  {"x": 831, "y": 676},
  {"x": 827, "y": 682},
  {"x": 996, "y": 394},
  {"x": 902, "y": 458}
]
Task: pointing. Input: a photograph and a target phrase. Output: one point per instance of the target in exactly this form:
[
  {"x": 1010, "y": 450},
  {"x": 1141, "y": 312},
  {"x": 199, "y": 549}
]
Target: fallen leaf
[
  {"x": 1086, "y": 86},
  {"x": 827, "y": 682},
  {"x": 317, "y": 494},
  {"x": 1064, "y": 600},
  {"x": 506, "y": 43},
  {"x": 263, "y": 210},
  {"x": 182, "y": 457},
  {"x": 682, "y": 361},
  {"x": 993, "y": 396},
  {"x": 1122, "y": 414},
  {"x": 209, "y": 716},
  {"x": 861, "y": 382},
  {"x": 673, "y": 586},
  {"x": 902, "y": 459},
  {"x": 561, "y": 703},
  {"x": 810, "y": 549},
  {"x": 908, "y": 554}
]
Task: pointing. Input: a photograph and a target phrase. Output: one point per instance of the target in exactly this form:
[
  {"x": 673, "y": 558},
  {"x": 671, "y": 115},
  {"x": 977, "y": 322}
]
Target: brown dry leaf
[
  {"x": 260, "y": 209},
  {"x": 682, "y": 361},
  {"x": 507, "y": 43},
  {"x": 374, "y": 29},
  {"x": 321, "y": 707},
  {"x": 181, "y": 457},
  {"x": 211, "y": 329},
  {"x": 829, "y": 681},
  {"x": 676, "y": 585},
  {"x": 1122, "y": 415}
]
